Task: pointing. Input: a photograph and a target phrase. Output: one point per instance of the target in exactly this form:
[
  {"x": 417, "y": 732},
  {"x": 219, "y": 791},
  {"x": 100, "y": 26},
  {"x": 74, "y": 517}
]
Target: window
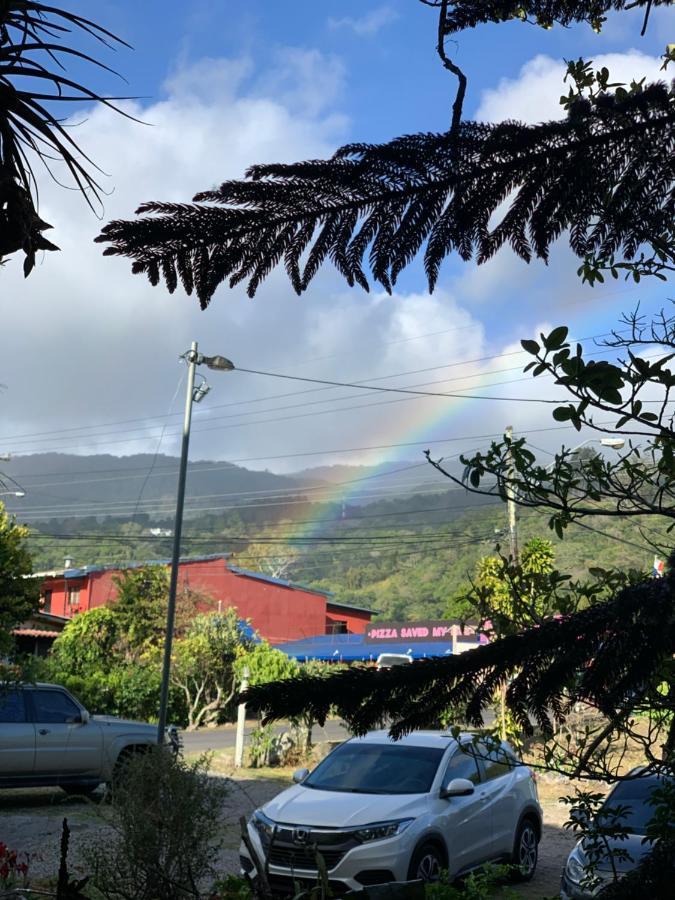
[
  {"x": 54, "y": 707},
  {"x": 73, "y": 596},
  {"x": 462, "y": 765},
  {"x": 47, "y": 601},
  {"x": 12, "y": 707},
  {"x": 496, "y": 761},
  {"x": 337, "y": 626},
  {"x": 370, "y": 768},
  {"x": 635, "y": 795}
]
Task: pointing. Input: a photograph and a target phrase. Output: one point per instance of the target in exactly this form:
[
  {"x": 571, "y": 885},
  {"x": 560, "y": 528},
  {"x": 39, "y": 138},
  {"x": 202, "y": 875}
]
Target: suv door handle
[{"x": 44, "y": 731}]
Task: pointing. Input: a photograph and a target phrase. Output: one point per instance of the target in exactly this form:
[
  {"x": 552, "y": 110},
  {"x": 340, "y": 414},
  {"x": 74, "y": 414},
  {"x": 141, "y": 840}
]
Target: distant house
[
  {"x": 36, "y": 635},
  {"x": 279, "y": 610}
]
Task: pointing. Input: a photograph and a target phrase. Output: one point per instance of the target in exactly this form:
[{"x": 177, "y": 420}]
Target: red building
[{"x": 278, "y": 610}]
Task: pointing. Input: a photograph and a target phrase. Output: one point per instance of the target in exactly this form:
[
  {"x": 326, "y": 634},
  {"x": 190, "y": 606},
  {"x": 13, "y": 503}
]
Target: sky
[{"x": 90, "y": 353}]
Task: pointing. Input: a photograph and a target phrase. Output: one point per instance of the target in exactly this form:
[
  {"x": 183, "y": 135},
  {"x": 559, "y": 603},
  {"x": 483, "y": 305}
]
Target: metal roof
[
  {"x": 81, "y": 571},
  {"x": 373, "y": 612},
  {"x": 282, "y": 582}
]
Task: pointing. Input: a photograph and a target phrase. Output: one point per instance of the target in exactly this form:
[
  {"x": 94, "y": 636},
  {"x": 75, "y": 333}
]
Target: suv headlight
[
  {"x": 574, "y": 870},
  {"x": 380, "y": 830},
  {"x": 263, "y": 824}
]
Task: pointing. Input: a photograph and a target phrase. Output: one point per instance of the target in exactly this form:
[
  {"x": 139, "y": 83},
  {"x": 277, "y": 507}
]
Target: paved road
[{"x": 222, "y": 738}]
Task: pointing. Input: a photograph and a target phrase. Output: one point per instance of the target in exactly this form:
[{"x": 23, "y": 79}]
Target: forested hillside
[{"x": 406, "y": 556}]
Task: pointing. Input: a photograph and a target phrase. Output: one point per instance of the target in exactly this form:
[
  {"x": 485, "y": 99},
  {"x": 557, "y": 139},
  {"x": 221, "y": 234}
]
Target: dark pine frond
[
  {"x": 604, "y": 175},
  {"x": 469, "y": 13},
  {"x": 603, "y": 655}
]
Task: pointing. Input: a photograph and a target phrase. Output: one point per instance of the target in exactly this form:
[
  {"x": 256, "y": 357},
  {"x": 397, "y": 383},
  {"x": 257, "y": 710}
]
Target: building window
[
  {"x": 337, "y": 626},
  {"x": 73, "y": 596},
  {"x": 47, "y": 601}
]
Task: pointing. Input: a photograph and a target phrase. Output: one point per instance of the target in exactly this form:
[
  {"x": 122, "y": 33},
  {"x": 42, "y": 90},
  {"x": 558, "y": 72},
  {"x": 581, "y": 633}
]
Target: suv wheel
[
  {"x": 82, "y": 790},
  {"x": 426, "y": 864},
  {"x": 525, "y": 851}
]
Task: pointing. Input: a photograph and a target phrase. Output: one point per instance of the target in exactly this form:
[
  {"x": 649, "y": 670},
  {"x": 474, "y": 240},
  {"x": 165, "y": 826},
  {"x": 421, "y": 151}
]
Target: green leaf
[
  {"x": 556, "y": 338},
  {"x": 563, "y": 413},
  {"x": 531, "y": 347}
]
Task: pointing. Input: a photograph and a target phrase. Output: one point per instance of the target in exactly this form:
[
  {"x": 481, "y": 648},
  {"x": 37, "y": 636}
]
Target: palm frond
[
  {"x": 33, "y": 53},
  {"x": 602, "y": 655},
  {"x": 605, "y": 174}
]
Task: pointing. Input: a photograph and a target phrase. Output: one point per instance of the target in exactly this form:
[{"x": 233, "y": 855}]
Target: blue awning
[{"x": 354, "y": 648}]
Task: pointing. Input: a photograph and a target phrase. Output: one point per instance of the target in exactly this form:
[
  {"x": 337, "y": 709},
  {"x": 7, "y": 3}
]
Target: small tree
[
  {"x": 203, "y": 665},
  {"x": 19, "y": 593},
  {"x": 141, "y": 607}
]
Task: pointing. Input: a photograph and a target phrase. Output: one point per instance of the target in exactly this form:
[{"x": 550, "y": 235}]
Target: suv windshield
[
  {"x": 365, "y": 768},
  {"x": 635, "y": 796}
]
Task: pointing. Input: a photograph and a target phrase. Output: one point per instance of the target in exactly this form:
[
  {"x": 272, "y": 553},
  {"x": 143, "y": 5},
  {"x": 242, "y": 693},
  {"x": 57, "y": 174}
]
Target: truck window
[
  {"x": 54, "y": 707},
  {"x": 12, "y": 708}
]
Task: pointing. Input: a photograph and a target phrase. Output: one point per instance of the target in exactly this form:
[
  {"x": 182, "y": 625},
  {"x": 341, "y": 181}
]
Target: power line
[{"x": 359, "y": 382}]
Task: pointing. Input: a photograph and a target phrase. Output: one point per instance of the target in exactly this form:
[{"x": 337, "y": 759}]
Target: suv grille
[{"x": 302, "y": 857}]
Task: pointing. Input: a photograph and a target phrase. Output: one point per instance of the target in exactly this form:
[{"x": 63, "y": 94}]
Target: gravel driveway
[{"x": 30, "y": 820}]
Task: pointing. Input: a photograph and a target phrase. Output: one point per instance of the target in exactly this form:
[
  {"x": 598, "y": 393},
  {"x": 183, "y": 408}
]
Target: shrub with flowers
[{"x": 13, "y": 868}]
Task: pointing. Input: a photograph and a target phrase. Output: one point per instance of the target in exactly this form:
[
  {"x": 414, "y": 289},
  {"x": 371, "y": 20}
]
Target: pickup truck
[{"x": 47, "y": 738}]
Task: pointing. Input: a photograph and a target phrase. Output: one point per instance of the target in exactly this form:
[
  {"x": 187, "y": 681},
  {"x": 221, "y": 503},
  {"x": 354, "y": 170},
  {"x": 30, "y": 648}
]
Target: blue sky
[{"x": 226, "y": 83}]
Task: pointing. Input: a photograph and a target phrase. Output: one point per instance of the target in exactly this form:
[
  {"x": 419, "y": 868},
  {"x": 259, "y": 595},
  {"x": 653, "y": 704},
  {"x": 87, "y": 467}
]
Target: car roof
[{"x": 440, "y": 739}]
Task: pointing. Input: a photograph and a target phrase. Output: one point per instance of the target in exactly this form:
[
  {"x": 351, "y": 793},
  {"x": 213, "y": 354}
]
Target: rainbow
[{"x": 424, "y": 419}]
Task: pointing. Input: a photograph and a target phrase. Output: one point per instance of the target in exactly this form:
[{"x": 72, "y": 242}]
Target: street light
[
  {"x": 193, "y": 395},
  {"x": 614, "y": 443}
]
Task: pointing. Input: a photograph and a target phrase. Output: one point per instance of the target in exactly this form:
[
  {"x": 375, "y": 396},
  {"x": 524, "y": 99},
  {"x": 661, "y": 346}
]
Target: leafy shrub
[{"x": 164, "y": 814}]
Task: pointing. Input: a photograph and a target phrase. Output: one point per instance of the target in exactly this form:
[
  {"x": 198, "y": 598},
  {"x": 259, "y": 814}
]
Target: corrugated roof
[
  {"x": 373, "y": 612},
  {"x": 81, "y": 571},
  {"x": 292, "y": 585}
]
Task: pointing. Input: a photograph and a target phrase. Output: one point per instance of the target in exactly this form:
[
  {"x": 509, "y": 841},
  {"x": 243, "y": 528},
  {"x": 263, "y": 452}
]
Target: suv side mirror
[
  {"x": 300, "y": 775},
  {"x": 80, "y": 719},
  {"x": 458, "y": 787}
]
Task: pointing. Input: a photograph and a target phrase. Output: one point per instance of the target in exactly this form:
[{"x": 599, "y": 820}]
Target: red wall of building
[
  {"x": 277, "y": 612},
  {"x": 354, "y": 619}
]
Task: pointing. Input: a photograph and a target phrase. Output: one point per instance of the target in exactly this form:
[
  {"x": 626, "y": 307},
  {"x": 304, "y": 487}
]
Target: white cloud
[
  {"x": 368, "y": 24},
  {"x": 533, "y": 96},
  {"x": 86, "y": 343}
]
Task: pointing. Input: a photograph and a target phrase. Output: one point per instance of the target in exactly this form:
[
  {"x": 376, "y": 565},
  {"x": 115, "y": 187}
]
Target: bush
[{"x": 164, "y": 813}]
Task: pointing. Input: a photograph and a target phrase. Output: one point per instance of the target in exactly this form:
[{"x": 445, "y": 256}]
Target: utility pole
[
  {"x": 513, "y": 553},
  {"x": 218, "y": 364},
  {"x": 192, "y": 358},
  {"x": 511, "y": 499}
]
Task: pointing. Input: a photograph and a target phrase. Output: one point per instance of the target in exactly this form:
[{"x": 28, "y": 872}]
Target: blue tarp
[{"x": 353, "y": 648}]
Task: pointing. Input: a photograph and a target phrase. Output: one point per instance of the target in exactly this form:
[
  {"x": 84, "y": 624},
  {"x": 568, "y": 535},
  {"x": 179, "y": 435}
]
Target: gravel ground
[{"x": 30, "y": 821}]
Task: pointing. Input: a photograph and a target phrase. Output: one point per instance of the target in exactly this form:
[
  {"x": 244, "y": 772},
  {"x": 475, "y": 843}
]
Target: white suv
[{"x": 379, "y": 810}]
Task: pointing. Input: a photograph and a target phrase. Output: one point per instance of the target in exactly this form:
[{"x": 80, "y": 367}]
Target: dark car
[{"x": 633, "y": 794}]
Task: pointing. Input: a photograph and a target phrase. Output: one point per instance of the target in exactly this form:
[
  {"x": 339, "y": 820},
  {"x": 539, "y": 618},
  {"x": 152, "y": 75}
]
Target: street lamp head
[
  {"x": 614, "y": 443},
  {"x": 219, "y": 363}
]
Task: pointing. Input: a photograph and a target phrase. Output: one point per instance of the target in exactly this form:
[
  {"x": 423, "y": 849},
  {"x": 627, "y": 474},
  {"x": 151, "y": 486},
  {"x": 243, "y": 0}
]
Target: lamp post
[{"x": 193, "y": 395}]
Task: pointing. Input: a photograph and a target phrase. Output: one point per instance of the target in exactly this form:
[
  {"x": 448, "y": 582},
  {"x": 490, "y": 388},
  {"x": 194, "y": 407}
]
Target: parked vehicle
[
  {"x": 47, "y": 738},
  {"x": 380, "y": 811},
  {"x": 634, "y": 795}
]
